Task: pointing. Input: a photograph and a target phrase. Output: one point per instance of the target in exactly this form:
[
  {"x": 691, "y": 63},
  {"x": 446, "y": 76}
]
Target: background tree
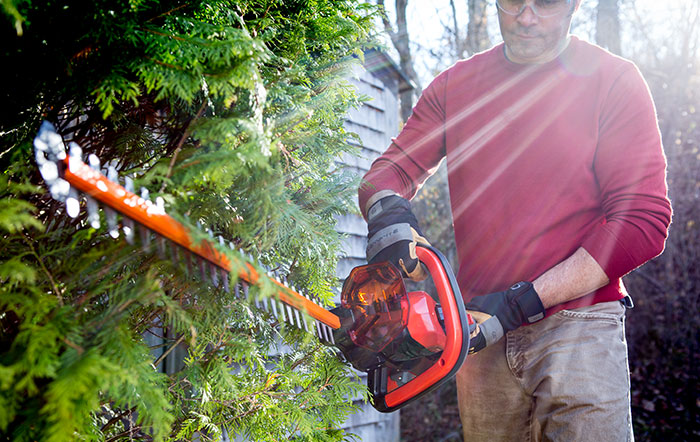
[
  {"x": 401, "y": 41},
  {"x": 232, "y": 111},
  {"x": 477, "y": 31},
  {"x": 608, "y": 25}
]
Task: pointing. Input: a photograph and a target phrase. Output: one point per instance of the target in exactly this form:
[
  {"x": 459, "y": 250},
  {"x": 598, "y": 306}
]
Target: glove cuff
[
  {"x": 529, "y": 304},
  {"x": 391, "y": 204},
  {"x": 378, "y": 196}
]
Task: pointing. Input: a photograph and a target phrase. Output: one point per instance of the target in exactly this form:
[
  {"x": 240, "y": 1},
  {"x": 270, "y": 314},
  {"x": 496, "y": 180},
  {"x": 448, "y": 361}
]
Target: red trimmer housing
[{"x": 406, "y": 342}]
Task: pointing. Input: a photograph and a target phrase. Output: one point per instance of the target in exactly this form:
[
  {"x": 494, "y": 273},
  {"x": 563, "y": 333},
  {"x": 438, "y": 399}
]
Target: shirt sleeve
[
  {"x": 415, "y": 153},
  {"x": 630, "y": 167}
]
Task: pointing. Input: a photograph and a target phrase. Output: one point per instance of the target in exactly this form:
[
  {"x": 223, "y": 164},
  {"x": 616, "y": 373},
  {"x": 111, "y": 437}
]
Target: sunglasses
[{"x": 541, "y": 8}]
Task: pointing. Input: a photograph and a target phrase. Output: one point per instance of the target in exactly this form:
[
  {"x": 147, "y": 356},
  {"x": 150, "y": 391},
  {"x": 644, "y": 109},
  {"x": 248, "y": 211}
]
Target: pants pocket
[{"x": 612, "y": 311}]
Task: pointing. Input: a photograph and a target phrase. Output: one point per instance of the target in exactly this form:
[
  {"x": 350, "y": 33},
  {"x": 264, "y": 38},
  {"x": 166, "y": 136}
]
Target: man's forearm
[{"x": 572, "y": 278}]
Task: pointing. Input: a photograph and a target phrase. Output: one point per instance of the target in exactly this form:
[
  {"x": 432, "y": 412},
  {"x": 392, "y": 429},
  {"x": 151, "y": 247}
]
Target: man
[{"x": 557, "y": 185}]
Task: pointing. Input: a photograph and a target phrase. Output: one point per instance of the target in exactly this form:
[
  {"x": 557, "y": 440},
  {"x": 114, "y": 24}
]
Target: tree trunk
[
  {"x": 401, "y": 42},
  {"x": 608, "y": 25},
  {"x": 477, "y": 35}
]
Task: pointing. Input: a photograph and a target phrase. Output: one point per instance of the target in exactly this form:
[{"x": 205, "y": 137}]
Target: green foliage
[{"x": 232, "y": 111}]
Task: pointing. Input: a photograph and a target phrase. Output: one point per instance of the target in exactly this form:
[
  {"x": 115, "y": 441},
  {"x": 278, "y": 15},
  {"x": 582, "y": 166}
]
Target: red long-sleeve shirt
[{"x": 541, "y": 159}]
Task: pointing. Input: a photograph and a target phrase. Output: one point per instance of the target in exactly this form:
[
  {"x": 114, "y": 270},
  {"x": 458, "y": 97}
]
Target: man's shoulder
[
  {"x": 489, "y": 56},
  {"x": 475, "y": 63},
  {"x": 586, "y": 58}
]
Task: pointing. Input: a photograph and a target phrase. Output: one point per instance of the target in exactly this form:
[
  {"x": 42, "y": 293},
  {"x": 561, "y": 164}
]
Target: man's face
[{"x": 533, "y": 39}]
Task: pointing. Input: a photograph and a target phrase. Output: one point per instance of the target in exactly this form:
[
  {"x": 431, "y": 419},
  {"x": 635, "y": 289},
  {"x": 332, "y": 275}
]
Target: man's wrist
[
  {"x": 377, "y": 196},
  {"x": 527, "y": 300}
]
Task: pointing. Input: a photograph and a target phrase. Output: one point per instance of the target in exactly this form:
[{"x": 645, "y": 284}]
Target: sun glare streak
[
  {"x": 478, "y": 140},
  {"x": 467, "y": 112},
  {"x": 467, "y": 149}
]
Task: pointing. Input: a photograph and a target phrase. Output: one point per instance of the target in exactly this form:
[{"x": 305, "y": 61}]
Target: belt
[{"x": 627, "y": 302}]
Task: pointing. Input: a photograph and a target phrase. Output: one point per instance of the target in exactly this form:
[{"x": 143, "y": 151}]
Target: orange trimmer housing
[{"x": 408, "y": 343}]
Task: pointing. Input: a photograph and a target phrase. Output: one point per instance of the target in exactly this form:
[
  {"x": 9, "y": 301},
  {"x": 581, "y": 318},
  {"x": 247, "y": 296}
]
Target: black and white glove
[
  {"x": 393, "y": 235},
  {"x": 501, "y": 312}
]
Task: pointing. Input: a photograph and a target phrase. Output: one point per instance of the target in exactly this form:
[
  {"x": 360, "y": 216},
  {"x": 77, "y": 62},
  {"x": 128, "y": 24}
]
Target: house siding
[{"x": 375, "y": 123}]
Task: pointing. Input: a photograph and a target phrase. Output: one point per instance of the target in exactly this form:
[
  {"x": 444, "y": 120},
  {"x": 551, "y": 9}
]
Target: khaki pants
[{"x": 565, "y": 378}]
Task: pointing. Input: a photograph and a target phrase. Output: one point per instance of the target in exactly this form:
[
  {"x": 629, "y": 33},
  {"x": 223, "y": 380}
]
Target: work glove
[
  {"x": 501, "y": 312},
  {"x": 393, "y": 236}
]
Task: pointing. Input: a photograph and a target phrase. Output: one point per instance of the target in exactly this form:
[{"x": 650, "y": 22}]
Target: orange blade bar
[{"x": 93, "y": 183}]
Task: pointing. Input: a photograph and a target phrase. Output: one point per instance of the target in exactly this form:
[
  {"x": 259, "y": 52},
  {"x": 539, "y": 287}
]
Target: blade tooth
[
  {"x": 94, "y": 162},
  {"x": 112, "y": 174},
  {"x": 48, "y": 170},
  {"x": 160, "y": 246},
  {"x": 224, "y": 278},
  {"x": 145, "y": 199},
  {"x": 129, "y": 184},
  {"x": 327, "y": 333},
  {"x": 306, "y": 324},
  {"x": 188, "y": 262},
  {"x": 72, "y": 203},
  {"x": 202, "y": 268},
  {"x": 264, "y": 303},
  {"x": 92, "y": 207},
  {"x": 128, "y": 228},
  {"x": 145, "y": 236},
  {"x": 160, "y": 205},
  {"x": 40, "y": 143},
  {"x": 246, "y": 288},
  {"x": 174, "y": 253},
  {"x": 57, "y": 149},
  {"x": 221, "y": 241},
  {"x": 330, "y": 335},
  {"x": 110, "y": 214},
  {"x": 210, "y": 233},
  {"x": 93, "y": 212},
  {"x": 128, "y": 224},
  {"x": 60, "y": 189},
  {"x": 273, "y": 304},
  {"x": 280, "y": 306},
  {"x": 322, "y": 331},
  {"x": 214, "y": 275},
  {"x": 111, "y": 217},
  {"x": 290, "y": 314},
  {"x": 301, "y": 324},
  {"x": 237, "y": 290},
  {"x": 319, "y": 334},
  {"x": 75, "y": 154}
]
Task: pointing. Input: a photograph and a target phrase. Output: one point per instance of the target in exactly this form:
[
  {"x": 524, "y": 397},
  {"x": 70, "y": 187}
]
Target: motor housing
[{"x": 408, "y": 343}]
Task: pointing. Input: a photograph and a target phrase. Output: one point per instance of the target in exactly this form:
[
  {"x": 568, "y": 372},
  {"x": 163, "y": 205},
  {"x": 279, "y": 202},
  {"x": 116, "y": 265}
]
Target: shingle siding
[{"x": 376, "y": 122}]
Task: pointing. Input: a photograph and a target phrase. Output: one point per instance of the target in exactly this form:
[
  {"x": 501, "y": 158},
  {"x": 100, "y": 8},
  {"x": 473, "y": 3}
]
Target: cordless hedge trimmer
[{"x": 406, "y": 342}]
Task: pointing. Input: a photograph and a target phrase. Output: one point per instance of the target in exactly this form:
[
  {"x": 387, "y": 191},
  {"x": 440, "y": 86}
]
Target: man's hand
[
  {"x": 393, "y": 235},
  {"x": 501, "y": 312}
]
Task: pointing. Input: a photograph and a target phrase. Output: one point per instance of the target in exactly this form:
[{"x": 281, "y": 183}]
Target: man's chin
[{"x": 525, "y": 55}]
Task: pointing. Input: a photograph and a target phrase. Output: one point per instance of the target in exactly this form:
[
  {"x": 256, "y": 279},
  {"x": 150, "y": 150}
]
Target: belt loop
[{"x": 627, "y": 302}]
